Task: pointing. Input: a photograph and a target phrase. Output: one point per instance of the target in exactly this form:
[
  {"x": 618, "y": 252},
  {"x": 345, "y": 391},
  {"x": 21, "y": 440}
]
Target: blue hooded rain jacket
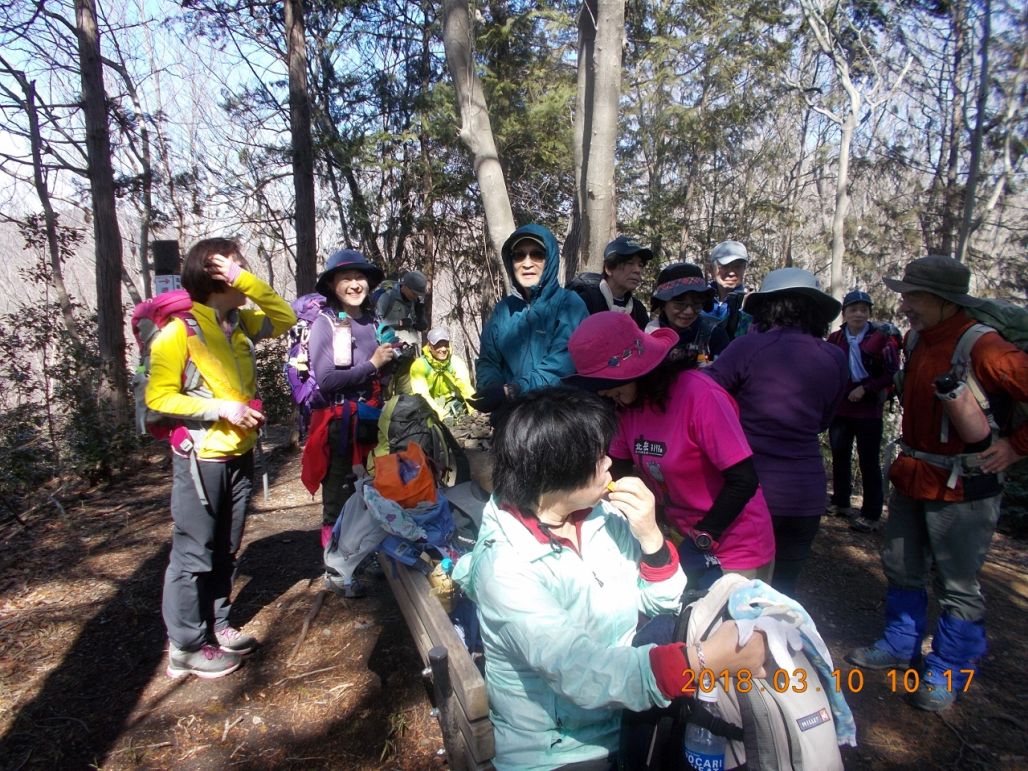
[{"x": 525, "y": 341}]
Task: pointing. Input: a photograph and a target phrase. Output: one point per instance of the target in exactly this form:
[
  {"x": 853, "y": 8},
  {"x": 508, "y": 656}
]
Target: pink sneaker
[{"x": 326, "y": 535}]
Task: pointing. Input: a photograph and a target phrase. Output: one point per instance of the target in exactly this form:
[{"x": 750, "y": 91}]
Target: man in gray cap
[
  {"x": 402, "y": 307},
  {"x": 623, "y": 263},
  {"x": 947, "y": 481},
  {"x": 728, "y": 261}
]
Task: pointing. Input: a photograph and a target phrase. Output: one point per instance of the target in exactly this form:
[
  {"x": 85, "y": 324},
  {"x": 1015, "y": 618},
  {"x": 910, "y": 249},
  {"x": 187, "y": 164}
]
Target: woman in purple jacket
[
  {"x": 787, "y": 381},
  {"x": 346, "y": 358}
]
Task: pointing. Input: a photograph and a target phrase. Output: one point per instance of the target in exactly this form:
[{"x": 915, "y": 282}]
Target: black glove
[{"x": 488, "y": 399}]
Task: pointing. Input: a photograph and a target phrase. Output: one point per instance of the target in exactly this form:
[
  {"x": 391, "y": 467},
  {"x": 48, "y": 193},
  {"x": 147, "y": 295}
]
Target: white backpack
[{"x": 785, "y": 725}]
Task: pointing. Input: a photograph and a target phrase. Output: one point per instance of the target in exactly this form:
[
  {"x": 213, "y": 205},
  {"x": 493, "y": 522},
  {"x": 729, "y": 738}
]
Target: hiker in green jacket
[{"x": 441, "y": 376}]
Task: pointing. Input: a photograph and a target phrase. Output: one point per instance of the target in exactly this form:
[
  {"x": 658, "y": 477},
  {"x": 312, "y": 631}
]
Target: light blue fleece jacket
[{"x": 557, "y": 629}]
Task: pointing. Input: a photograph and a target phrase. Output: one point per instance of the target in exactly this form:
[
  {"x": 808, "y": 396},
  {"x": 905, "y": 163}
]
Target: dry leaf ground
[{"x": 82, "y": 682}]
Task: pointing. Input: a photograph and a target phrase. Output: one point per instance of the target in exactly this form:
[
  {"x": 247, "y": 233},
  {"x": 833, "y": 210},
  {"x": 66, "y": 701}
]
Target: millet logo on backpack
[{"x": 813, "y": 721}]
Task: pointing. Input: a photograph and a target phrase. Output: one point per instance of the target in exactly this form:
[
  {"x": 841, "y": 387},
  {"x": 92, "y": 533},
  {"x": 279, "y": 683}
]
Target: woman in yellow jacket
[
  {"x": 203, "y": 378},
  {"x": 441, "y": 376}
]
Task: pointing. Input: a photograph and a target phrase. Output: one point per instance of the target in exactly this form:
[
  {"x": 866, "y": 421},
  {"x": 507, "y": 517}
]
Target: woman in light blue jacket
[
  {"x": 560, "y": 578},
  {"x": 525, "y": 342}
]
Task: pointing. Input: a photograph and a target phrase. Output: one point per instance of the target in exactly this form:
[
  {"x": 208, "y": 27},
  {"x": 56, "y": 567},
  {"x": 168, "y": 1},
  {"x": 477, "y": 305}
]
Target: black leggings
[{"x": 794, "y": 537}]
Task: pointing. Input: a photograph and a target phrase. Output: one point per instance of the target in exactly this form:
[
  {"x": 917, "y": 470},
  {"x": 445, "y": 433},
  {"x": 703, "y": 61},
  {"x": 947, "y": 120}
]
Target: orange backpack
[{"x": 406, "y": 477}]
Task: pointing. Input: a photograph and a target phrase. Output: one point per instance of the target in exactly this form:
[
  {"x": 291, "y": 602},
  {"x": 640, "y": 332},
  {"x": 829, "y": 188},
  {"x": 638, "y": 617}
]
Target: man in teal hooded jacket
[{"x": 524, "y": 344}]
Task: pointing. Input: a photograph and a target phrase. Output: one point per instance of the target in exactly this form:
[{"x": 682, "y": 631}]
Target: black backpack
[{"x": 409, "y": 418}]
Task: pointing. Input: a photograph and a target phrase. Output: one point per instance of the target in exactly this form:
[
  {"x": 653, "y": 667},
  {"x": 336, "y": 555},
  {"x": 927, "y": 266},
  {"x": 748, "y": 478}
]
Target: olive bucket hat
[{"x": 942, "y": 276}]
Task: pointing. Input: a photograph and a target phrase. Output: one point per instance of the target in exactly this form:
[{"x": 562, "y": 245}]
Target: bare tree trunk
[
  {"x": 142, "y": 153},
  {"x": 842, "y": 198},
  {"x": 967, "y": 222},
  {"x": 600, "y": 38},
  {"x": 49, "y": 218},
  {"x": 107, "y": 236},
  {"x": 476, "y": 130},
  {"x": 951, "y": 199},
  {"x": 303, "y": 149}
]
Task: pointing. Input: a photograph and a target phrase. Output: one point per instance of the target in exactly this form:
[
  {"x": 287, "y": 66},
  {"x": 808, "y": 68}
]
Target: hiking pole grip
[{"x": 442, "y": 686}]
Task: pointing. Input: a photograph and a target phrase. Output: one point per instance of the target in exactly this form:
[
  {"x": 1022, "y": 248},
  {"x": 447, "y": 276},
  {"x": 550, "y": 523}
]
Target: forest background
[{"x": 842, "y": 137}]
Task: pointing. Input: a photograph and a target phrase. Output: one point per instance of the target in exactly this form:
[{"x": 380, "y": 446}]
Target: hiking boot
[
  {"x": 932, "y": 697},
  {"x": 873, "y": 657},
  {"x": 208, "y": 662},
  {"x": 352, "y": 589},
  {"x": 864, "y": 525},
  {"x": 837, "y": 511},
  {"x": 231, "y": 640}
]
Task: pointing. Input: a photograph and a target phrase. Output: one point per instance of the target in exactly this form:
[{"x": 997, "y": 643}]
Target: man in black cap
[
  {"x": 947, "y": 480},
  {"x": 623, "y": 262}
]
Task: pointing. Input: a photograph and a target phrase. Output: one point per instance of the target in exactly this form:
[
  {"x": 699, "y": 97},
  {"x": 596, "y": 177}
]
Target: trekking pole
[{"x": 263, "y": 461}]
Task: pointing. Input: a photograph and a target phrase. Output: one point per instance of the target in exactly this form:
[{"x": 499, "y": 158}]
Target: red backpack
[{"x": 148, "y": 319}]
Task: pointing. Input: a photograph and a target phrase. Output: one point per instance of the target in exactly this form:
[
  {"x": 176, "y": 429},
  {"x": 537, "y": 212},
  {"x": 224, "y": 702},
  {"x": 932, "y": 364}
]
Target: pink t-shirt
[{"x": 681, "y": 452}]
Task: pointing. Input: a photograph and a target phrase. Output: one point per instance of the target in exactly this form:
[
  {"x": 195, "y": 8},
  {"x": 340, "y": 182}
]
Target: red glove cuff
[{"x": 671, "y": 670}]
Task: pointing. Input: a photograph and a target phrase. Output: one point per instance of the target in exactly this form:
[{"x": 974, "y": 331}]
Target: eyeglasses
[
  {"x": 681, "y": 305},
  {"x": 636, "y": 348}
]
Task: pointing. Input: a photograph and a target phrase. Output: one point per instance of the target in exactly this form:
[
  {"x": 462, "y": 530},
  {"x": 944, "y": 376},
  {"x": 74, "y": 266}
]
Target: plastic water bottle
[
  {"x": 342, "y": 341},
  {"x": 704, "y": 750}
]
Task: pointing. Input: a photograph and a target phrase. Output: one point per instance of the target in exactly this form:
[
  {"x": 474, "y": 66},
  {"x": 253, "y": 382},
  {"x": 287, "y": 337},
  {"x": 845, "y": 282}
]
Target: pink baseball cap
[{"x": 608, "y": 349}]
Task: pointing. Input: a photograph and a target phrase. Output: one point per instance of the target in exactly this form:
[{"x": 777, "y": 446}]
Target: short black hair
[
  {"x": 789, "y": 309},
  {"x": 195, "y": 278},
  {"x": 547, "y": 441},
  {"x": 617, "y": 258}
]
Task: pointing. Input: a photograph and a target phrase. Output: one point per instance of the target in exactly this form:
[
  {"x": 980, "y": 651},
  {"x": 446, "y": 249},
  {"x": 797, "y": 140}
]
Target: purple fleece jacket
[
  {"x": 787, "y": 384},
  {"x": 338, "y": 383}
]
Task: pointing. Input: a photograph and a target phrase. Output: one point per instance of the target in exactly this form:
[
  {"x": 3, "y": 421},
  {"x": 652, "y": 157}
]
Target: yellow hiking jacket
[{"x": 225, "y": 364}]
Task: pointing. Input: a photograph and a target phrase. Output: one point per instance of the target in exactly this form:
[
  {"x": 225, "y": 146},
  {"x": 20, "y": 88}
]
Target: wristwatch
[{"x": 704, "y": 541}]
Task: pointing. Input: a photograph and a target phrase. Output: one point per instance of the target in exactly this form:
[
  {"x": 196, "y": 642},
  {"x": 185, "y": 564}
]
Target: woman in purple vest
[{"x": 787, "y": 381}]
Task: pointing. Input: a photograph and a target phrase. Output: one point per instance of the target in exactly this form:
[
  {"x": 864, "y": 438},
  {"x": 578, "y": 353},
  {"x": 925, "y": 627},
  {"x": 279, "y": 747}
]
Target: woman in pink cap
[{"x": 681, "y": 432}]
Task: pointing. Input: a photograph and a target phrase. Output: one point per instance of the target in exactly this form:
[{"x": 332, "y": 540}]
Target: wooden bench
[{"x": 464, "y": 708}]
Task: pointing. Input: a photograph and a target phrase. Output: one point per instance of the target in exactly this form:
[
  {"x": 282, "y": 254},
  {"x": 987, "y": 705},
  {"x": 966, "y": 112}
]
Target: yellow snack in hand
[{"x": 611, "y": 486}]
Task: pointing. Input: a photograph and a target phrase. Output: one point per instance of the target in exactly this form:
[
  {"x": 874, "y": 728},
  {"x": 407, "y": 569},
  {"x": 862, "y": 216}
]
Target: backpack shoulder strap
[{"x": 961, "y": 365}]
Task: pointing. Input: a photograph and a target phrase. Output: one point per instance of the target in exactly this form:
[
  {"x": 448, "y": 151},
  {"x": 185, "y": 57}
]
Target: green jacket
[
  {"x": 441, "y": 382},
  {"x": 557, "y": 629}
]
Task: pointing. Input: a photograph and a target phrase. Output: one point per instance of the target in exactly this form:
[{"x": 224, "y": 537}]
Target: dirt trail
[{"x": 82, "y": 680}]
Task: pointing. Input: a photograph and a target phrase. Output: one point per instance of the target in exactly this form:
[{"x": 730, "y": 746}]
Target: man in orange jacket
[{"x": 946, "y": 501}]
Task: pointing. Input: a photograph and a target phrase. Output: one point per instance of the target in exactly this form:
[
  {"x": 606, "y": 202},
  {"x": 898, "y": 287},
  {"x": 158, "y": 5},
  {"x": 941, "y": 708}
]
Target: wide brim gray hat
[
  {"x": 942, "y": 276},
  {"x": 793, "y": 281}
]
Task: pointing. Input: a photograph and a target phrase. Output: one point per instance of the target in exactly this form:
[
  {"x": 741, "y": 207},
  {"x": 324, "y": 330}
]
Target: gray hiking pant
[
  {"x": 204, "y": 542},
  {"x": 955, "y": 537}
]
